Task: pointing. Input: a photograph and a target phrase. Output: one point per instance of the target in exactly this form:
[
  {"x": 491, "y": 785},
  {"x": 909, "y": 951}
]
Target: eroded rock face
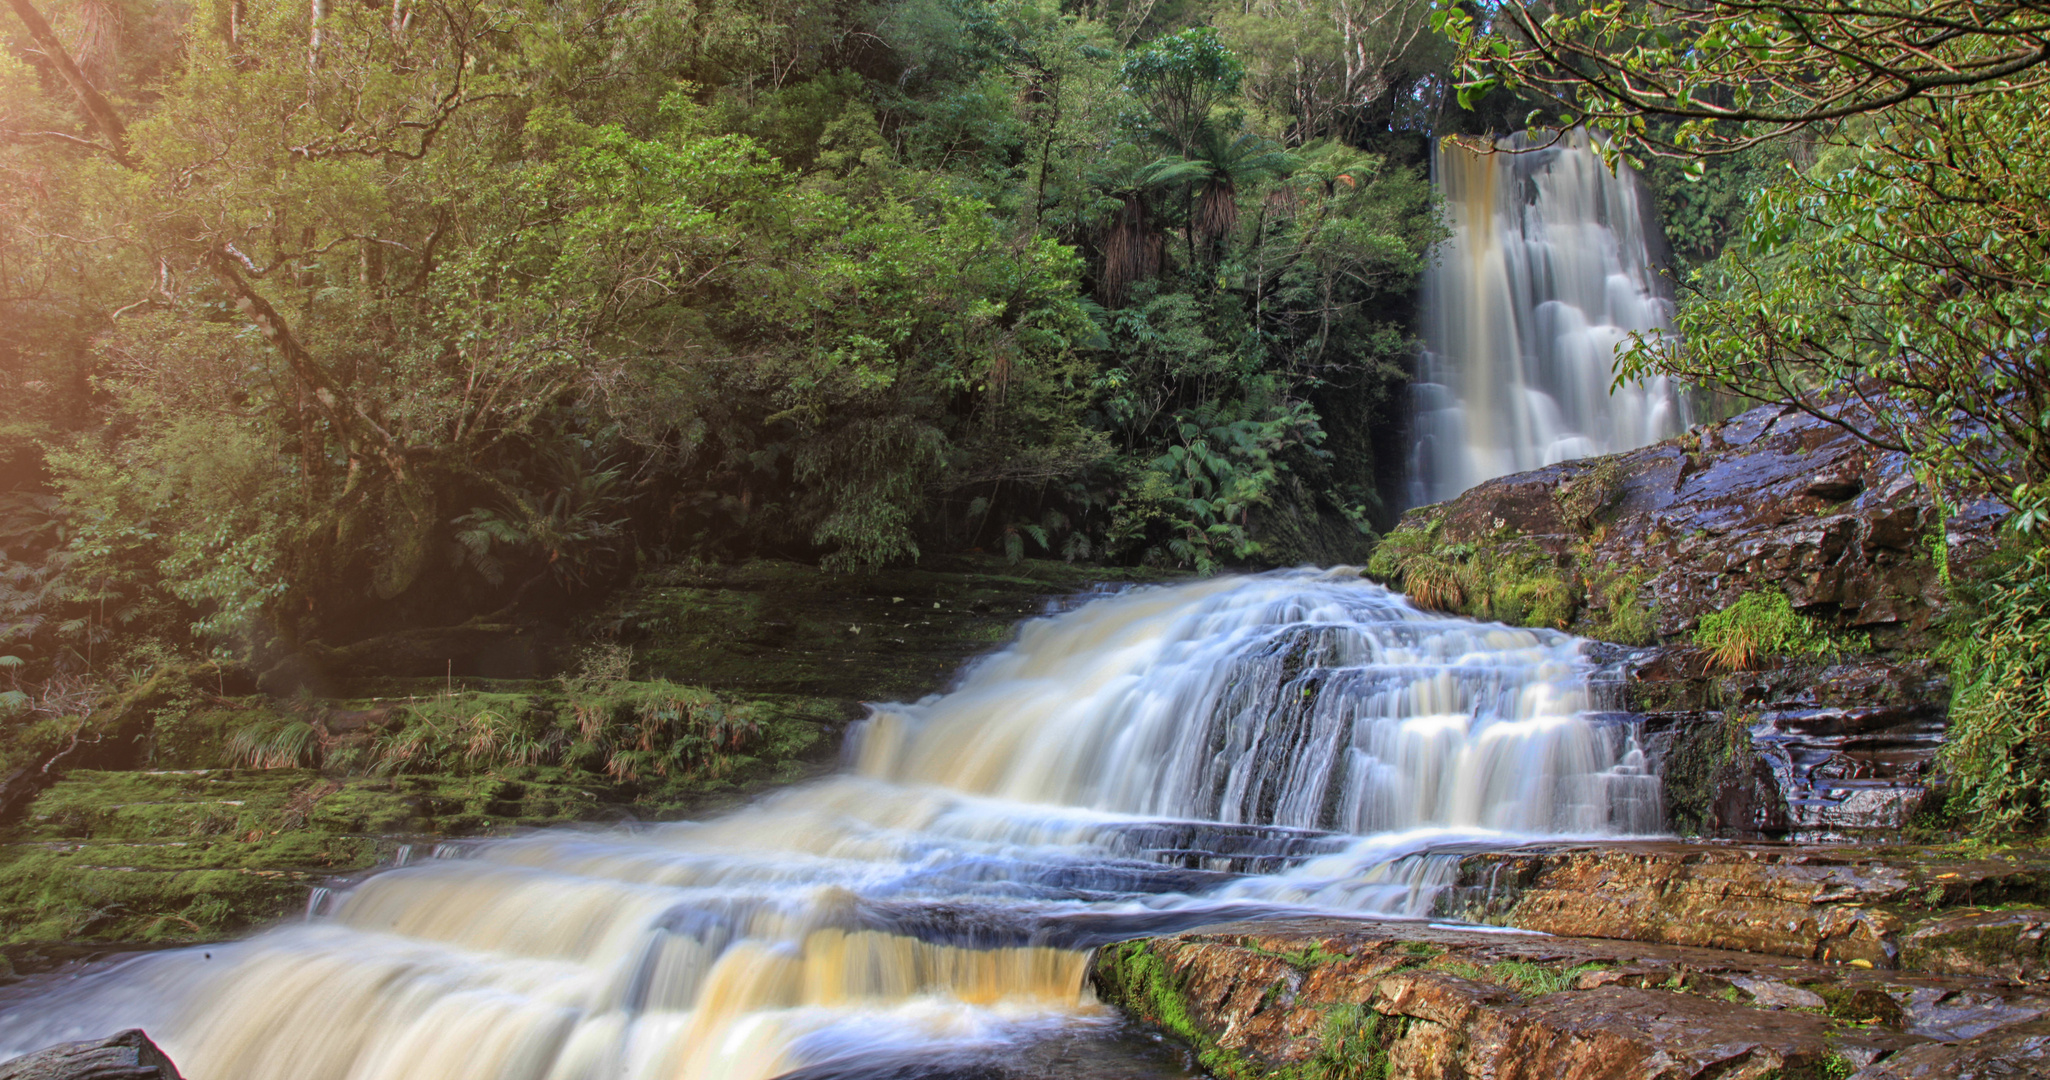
[
  {"x": 1637, "y": 548},
  {"x": 1771, "y": 499},
  {"x": 1345, "y": 998},
  {"x": 1801, "y": 750}
]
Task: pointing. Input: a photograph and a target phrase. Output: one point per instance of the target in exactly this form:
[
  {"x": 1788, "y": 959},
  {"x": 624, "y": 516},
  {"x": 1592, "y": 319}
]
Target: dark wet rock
[
  {"x": 2005, "y": 944},
  {"x": 1345, "y": 998},
  {"x": 1844, "y": 905},
  {"x": 2017, "y": 1052},
  {"x": 127, "y": 1056},
  {"x": 1807, "y": 751},
  {"x": 1770, "y": 499}
]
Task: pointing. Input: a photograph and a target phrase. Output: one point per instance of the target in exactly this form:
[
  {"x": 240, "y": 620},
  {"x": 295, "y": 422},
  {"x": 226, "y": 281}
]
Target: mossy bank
[{"x": 204, "y": 814}]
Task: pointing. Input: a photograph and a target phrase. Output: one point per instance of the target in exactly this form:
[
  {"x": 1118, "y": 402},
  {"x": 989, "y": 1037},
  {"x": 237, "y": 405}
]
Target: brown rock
[
  {"x": 2004, "y": 944},
  {"x": 1462, "y": 1004}
]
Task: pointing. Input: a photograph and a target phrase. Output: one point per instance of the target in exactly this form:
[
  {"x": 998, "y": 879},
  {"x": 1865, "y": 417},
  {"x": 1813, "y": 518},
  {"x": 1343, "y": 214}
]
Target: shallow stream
[{"x": 1150, "y": 761}]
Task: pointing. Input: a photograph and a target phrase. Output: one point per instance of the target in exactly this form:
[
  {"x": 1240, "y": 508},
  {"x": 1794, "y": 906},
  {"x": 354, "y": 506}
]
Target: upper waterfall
[
  {"x": 1154, "y": 760},
  {"x": 1547, "y": 270}
]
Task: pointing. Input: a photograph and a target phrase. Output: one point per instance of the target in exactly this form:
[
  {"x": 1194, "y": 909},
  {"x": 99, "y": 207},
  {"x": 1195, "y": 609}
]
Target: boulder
[
  {"x": 1771, "y": 499},
  {"x": 129, "y": 1055}
]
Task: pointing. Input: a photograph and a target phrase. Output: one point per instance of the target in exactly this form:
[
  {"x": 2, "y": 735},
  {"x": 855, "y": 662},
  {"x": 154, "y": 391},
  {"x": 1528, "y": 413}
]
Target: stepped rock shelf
[{"x": 1332, "y": 997}]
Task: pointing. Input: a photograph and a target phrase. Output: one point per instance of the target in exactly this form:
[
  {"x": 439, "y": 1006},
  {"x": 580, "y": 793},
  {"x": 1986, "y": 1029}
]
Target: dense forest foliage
[
  {"x": 324, "y": 320},
  {"x": 330, "y": 319}
]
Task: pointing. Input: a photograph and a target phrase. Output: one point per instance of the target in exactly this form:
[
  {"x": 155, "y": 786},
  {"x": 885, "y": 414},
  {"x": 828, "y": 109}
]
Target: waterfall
[
  {"x": 1547, "y": 270},
  {"x": 1150, "y": 761}
]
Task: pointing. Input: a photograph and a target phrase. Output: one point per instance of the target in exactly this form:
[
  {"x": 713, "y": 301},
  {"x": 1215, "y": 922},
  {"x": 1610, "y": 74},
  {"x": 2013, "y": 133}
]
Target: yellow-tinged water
[
  {"x": 1547, "y": 271},
  {"x": 1151, "y": 761}
]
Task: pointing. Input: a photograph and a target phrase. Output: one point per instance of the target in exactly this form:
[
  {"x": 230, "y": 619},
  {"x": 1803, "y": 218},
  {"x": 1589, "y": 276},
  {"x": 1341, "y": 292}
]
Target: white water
[
  {"x": 1546, "y": 273},
  {"x": 1152, "y": 761}
]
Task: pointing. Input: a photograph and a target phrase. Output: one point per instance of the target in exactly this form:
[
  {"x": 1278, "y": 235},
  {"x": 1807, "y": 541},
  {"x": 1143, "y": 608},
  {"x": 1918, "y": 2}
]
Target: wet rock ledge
[
  {"x": 129, "y": 1055},
  {"x": 1890, "y": 908},
  {"x": 1331, "y": 998}
]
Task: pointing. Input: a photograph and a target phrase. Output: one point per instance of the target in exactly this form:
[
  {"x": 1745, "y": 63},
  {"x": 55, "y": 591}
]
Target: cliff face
[{"x": 1637, "y": 547}]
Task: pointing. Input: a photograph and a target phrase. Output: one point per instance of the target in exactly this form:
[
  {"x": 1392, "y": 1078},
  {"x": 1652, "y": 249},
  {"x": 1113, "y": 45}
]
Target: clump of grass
[
  {"x": 1764, "y": 623},
  {"x": 1537, "y": 980},
  {"x": 277, "y": 742},
  {"x": 1508, "y": 578},
  {"x": 1352, "y": 1045}
]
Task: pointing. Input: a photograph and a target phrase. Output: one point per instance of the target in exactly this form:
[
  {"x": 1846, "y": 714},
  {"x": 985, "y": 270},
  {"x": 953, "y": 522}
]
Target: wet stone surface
[
  {"x": 1891, "y": 908},
  {"x": 1423, "y": 1000}
]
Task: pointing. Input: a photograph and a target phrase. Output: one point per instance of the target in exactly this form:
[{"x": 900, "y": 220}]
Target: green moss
[
  {"x": 1583, "y": 500},
  {"x": 1764, "y": 623},
  {"x": 1309, "y": 956},
  {"x": 198, "y": 738},
  {"x": 1619, "y": 611},
  {"x": 1699, "y": 763},
  {"x": 1352, "y": 1043},
  {"x": 1506, "y": 579}
]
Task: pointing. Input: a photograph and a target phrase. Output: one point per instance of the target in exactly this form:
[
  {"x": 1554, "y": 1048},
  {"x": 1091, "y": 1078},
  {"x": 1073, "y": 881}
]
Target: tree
[{"x": 1728, "y": 75}]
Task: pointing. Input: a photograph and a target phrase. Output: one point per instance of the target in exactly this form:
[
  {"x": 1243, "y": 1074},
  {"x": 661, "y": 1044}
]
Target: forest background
[{"x": 328, "y": 320}]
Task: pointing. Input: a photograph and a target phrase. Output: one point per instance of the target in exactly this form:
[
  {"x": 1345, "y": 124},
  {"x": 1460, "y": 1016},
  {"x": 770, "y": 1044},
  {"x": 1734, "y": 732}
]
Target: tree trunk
[{"x": 97, "y": 111}]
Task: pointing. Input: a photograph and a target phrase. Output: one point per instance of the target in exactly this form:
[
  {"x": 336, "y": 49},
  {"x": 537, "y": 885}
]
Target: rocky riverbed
[{"x": 1329, "y": 998}]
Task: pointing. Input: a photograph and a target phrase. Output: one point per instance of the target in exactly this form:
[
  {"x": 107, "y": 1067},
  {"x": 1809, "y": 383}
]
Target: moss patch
[
  {"x": 1699, "y": 764},
  {"x": 1505, "y": 578},
  {"x": 1352, "y": 1042}
]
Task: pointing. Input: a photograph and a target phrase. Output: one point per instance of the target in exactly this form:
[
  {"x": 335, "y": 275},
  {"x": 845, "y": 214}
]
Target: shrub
[{"x": 1999, "y": 746}]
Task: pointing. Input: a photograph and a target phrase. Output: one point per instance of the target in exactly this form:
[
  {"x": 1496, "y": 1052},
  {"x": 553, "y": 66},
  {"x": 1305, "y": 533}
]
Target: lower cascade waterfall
[
  {"x": 1547, "y": 271},
  {"x": 1153, "y": 760}
]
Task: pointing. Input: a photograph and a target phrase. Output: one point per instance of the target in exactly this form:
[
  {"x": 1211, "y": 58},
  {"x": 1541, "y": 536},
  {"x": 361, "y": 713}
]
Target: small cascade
[
  {"x": 1147, "y": 762},
  {"x": 1547, "y": 271}
]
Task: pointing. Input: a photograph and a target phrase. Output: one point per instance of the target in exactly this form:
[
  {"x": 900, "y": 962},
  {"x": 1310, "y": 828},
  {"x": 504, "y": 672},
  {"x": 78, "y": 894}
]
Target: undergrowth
[{"x": 1998, "y": 747}]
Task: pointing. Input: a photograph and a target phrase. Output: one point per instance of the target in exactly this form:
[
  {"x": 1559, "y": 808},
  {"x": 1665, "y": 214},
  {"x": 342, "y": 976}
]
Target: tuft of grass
[
  {"x": 1509, "y": 578},
  {"x": 1764, "y": 623},
  {"x": 276, "y": 742}
]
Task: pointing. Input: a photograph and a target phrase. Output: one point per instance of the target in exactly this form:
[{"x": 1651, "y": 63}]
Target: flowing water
[
  {"x": 1153, "y": 760},
  {"x": 1548, "y": 269}
]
